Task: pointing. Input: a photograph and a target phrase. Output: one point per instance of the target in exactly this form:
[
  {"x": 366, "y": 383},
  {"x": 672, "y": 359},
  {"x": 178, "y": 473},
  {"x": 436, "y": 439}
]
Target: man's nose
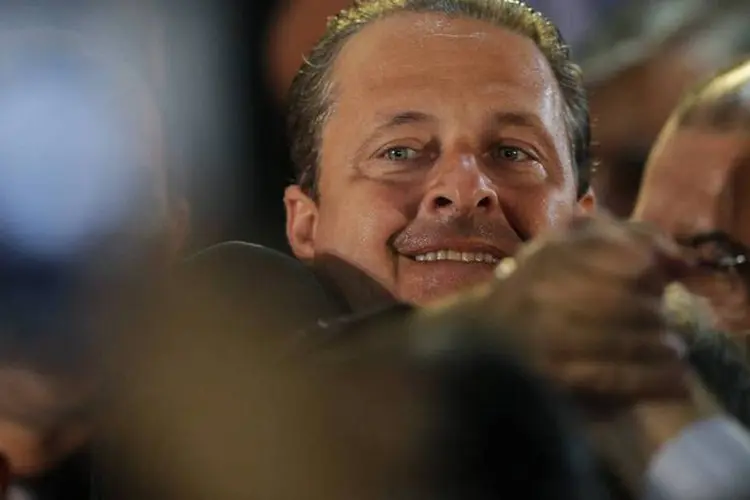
[{"x": 459, "y": 186}]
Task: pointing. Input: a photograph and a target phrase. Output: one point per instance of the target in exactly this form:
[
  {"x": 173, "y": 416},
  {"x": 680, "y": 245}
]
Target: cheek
[
  {"x": 358, "y": 224},
  {"x": 559, "y": 208},
  {"x": 535, "y": 211}
]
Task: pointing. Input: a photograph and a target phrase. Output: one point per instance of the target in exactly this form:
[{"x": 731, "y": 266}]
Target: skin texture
[
  {"x": 456, "y": 152},
  {"x": 455, "y": 171}
]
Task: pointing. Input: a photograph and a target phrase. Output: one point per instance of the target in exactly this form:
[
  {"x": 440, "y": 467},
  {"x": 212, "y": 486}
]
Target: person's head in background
[
  {"x": 87, "y": 203},
  {"x": 431, "y": 139},
  {"x": 83, "y": 148},
  {"x": 697, "y": 183},
  {"x": 637, "y": 68}
]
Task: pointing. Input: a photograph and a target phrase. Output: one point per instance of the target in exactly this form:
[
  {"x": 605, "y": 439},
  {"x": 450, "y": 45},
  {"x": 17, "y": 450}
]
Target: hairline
[{"x": 342, "y": 38}]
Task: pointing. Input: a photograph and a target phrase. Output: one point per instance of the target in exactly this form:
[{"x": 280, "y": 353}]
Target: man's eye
[
  {"x": 510, "y": 153},
  {"x": 400, "y": 153}
]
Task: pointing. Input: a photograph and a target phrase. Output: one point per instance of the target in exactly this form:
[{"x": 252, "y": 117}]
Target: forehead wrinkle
[
  {"x": 479, "y": 35},
  {"x": 393, "y": 72}
]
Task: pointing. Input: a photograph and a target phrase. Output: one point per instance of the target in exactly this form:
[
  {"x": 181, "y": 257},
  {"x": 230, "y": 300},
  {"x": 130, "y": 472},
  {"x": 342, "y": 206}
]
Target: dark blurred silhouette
[
  {"x": 277, "y": 293},
  {"x": 368, "y": 408}
]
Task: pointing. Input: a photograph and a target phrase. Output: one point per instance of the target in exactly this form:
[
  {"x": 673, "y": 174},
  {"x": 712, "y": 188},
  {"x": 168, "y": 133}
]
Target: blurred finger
[
  {"x": 587, "y": 293},
  {"x": 670, "y": 256},
  {"x": 618, "y": 348},
  {"x": 622, "y": 382},
  {"x": 634, "y": 234}
]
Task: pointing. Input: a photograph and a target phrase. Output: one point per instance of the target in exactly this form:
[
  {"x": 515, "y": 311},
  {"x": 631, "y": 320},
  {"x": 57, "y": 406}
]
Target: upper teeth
[{"x": 456, "y": 256}]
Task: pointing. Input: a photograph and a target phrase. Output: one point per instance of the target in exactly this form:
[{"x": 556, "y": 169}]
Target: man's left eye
[
  {"x": 400, "y": 153},
  {"x": 510, "y": 153}
]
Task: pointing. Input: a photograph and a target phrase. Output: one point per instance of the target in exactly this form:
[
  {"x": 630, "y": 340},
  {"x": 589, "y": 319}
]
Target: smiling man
[
  {"x": 429, "y": 146},
  {"x": 432, "y": 138}
]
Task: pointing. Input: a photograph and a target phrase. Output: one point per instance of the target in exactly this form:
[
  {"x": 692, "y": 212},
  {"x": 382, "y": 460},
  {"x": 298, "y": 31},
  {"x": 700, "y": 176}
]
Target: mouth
[{"x": 455, "y": 255}]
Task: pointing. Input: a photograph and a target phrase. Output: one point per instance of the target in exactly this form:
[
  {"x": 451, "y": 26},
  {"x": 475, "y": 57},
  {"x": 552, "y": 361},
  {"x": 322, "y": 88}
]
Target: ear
[
  {"x": 301, "y": 222},
  {"x": 179, "y": 225},
  {"x": 586, "y": 204}
]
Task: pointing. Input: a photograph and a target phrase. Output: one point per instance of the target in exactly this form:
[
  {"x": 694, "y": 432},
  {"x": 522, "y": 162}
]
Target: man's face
[
  {"x": 446, "y": 149},
  {"x": 697, "y": 181}
]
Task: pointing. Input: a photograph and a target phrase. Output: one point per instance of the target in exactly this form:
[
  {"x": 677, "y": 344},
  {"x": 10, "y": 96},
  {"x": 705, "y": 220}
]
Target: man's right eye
[{"x": 400, "y": 153}]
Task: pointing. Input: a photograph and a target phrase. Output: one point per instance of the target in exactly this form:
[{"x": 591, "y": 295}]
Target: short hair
[
  {"x": 310, "y": 93},
  {"x": 721, "y": 103}
]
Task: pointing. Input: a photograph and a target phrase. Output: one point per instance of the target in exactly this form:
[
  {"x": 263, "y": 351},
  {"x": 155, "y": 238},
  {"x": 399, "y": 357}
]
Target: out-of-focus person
[
  {"x": 374, "y": 407},
  {"x": 89, "y": 212},
  {"x": 696, "y": 187},
  {"x": 637, "y": 65}
]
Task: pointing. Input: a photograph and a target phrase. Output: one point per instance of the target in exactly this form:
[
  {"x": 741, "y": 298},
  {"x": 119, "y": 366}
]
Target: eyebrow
[
  {"x": 524, "y": 120},
  {"x": 390, "y": 121},
  {"x": 514, "y": 118},
  {"x": 497, "y": 119},
  {"x": 404, "y": 118}
]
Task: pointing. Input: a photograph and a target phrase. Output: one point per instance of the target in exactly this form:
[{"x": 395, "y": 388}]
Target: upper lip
[{"x": 458, "y": 246}]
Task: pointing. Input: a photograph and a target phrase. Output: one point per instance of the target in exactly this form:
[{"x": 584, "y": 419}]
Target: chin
[
  {"x": 438, "y": 292},
  {"x": 422, "y": 284}
]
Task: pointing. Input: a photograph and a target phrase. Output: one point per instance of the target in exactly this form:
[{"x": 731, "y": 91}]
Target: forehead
[
  {"x": 701, "y": 159},
  {"x": 685, "y": 145},
  {"x": 437, "y": 59}
]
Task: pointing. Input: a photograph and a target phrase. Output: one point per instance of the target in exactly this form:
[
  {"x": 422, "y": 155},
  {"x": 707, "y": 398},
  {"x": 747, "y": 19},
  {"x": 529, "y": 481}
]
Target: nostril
[
  {"x": 442, "y": 201},
  {"x": 485, "y": 202}
]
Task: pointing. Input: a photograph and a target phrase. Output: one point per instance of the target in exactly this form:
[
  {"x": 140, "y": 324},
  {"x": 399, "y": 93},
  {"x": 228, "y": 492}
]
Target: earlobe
[
  {"x": 301, "y": 221},
  {"x": 586, "y": 204}
]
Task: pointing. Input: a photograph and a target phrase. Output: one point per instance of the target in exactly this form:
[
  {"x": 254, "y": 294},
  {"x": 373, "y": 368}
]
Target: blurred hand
[
  {"x": 588, "y": 300},
  {"x": 629, "y": 441}
]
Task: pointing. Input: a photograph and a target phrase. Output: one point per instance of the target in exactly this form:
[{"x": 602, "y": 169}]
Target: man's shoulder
[{"x": 328, "y": 328}]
